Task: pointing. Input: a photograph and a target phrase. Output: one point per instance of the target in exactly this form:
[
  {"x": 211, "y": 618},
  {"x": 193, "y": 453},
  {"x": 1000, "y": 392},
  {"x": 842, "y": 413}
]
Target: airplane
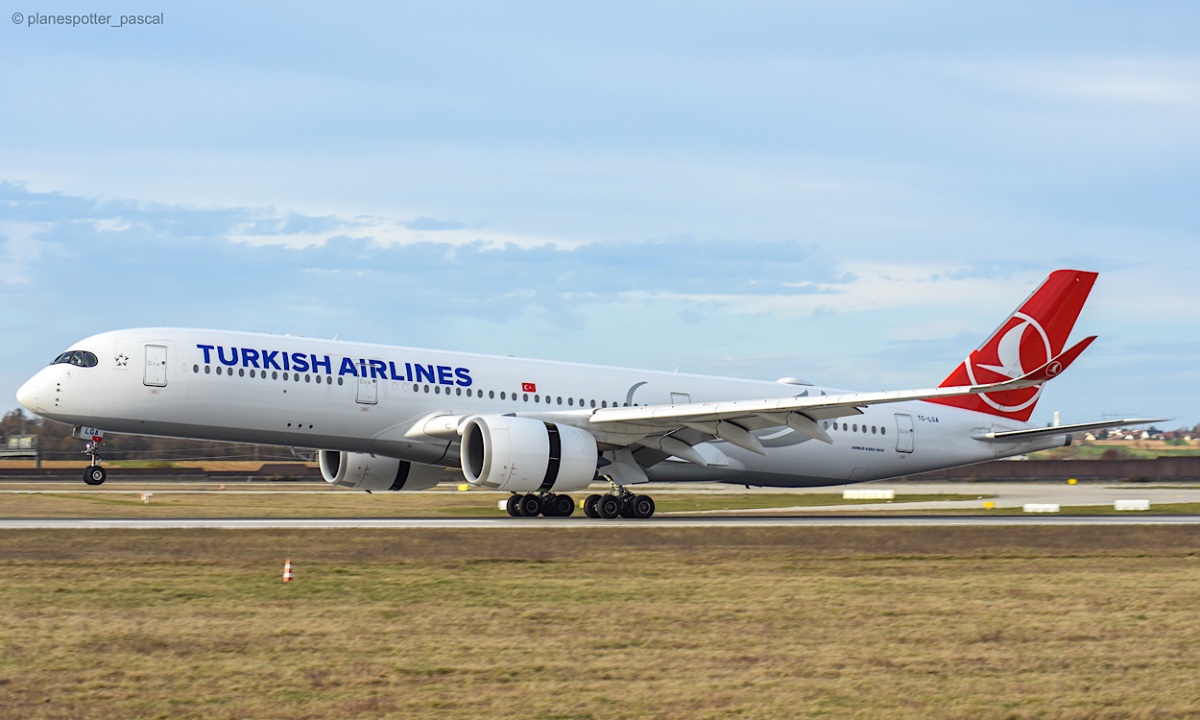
[{"x": 386, "y": 418}]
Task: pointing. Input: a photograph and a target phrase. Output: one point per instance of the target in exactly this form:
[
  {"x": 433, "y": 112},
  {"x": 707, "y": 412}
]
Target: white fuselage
[{"x": 354, "y": 397}]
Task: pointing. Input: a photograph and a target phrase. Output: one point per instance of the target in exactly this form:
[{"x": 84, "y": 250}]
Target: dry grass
[{"x": 1046, "y": 622}]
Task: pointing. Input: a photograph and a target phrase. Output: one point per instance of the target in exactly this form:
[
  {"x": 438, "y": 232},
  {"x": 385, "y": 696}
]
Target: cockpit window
[{"x": 78, "y": 358}]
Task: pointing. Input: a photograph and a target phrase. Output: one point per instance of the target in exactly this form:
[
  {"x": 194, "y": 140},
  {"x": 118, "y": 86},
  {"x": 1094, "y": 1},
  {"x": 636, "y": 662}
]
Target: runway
[{"x": 507, "y": 523}]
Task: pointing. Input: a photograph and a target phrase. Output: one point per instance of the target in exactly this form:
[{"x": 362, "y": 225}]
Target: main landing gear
[
  {"x": 618, "y": 503},
  {"x": 544, "y": 504}
]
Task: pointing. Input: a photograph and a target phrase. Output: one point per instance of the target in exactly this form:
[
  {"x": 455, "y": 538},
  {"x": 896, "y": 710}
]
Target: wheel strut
[{"x": 93, "y": 474}]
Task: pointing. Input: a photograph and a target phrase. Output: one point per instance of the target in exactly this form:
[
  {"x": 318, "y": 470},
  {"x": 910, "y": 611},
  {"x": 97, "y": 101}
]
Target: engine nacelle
[
  {"x": 375, "y": 473},
  {"x": 527, "y": 455}
]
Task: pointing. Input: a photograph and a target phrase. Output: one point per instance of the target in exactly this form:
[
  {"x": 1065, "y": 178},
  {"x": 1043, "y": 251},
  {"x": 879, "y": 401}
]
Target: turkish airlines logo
[{"x": 1022, "y": 346}]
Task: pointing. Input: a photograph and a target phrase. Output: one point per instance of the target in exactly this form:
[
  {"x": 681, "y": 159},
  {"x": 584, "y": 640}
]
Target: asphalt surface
[
  {"x": 1003, "y": 495},
  {"x": 580, "y": 522}
]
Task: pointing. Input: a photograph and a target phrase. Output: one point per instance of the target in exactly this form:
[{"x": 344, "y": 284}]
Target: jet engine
[
  {"x": 361, "y": 471},
  {"x": 526, "y": 455}
]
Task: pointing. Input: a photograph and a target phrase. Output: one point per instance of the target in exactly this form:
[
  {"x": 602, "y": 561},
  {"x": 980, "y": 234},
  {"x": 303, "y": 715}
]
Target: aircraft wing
[{"x": 733, "y": 420}]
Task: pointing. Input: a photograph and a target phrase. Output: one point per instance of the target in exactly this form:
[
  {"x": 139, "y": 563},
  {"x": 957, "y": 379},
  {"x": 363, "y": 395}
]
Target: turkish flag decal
[{"x": 528, "y": 387}]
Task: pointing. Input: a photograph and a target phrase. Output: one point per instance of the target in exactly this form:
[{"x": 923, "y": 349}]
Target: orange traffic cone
[{"x": 287, "y": 570}]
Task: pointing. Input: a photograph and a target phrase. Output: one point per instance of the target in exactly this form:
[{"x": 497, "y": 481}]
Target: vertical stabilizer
[{"x": 1035, "y": 333}]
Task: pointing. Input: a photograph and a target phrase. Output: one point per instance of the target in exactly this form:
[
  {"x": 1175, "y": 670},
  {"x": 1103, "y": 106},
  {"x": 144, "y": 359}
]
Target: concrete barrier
[
  {"x": 1131, "y": 505},
  {"x": 868, "y": 494},
  {"x": 1042, "y": 507}
]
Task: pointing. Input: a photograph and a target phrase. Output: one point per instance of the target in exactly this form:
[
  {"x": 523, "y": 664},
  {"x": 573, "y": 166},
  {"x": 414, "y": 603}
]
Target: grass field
[{"x": 987, "y": 622}]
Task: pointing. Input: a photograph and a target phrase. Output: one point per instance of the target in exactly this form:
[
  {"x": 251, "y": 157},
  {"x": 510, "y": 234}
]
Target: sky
[{"x": 854, "y": 194}]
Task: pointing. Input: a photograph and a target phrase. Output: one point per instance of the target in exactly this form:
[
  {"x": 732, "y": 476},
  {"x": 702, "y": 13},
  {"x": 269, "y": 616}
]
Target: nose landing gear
[{"x": 93, "y": 474}]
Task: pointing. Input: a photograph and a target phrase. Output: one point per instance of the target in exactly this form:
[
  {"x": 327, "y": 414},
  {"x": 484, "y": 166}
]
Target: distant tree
[
  {"x": 13, "y": 423},
  {"x": 56, "y": 443}
]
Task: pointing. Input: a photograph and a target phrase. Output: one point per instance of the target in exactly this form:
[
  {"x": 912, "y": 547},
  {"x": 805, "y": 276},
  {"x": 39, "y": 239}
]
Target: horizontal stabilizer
[{"x": 1032, "y": 433}]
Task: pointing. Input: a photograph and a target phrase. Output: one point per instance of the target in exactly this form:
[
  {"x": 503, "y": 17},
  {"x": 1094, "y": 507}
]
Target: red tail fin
[{"x": 1031, "y": 336}]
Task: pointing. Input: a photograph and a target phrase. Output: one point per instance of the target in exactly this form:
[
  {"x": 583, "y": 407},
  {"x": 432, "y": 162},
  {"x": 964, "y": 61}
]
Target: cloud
[
  {"x": 721, "y": 305},
  {"x": 20, "y": 249},
  {"x": 1128, "y": 82},
  {"x": 426, "y": 223}
]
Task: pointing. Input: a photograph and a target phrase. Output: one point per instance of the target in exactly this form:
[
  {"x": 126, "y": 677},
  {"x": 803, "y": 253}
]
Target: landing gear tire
[
  {"x": 94, "y": 475},
  {"x": 627, "y": 506},
  {"x": 564, "y": 505},
  {"x": 531, "y": 505},
  {"x": 609, "y": 506},
  {"x": 643, "y": 506},
  {"x": 589, "y": 506},
  {"x": 513, "y": 506}
]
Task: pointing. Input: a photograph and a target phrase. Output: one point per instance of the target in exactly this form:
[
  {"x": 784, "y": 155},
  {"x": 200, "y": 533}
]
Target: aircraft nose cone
[{"x": 28, "y": 395}]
